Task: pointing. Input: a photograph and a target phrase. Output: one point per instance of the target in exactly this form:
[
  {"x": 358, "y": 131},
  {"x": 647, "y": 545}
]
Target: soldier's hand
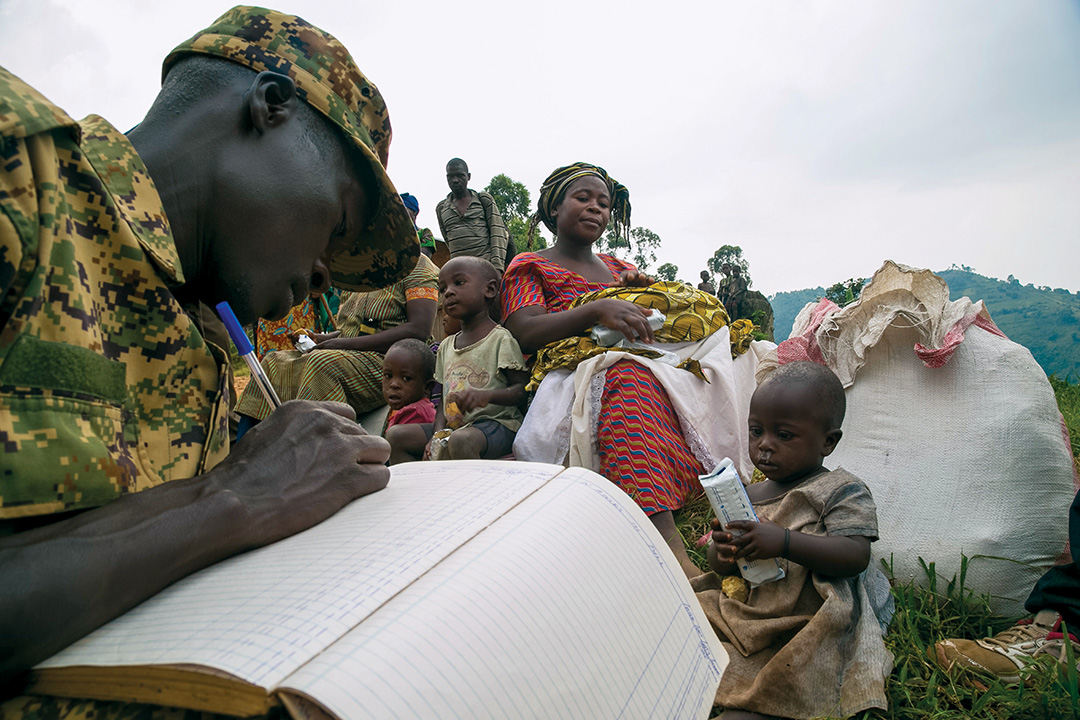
[{"x": 299, "y": 466}]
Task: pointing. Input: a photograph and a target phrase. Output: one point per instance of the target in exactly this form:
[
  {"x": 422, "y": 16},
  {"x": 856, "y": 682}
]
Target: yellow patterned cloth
[{"x": 691, "y": 315}]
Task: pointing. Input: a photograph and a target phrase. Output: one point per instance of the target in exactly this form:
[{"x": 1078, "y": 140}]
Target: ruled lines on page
[
  {"x": 261, "y": 615},
  {"x": 568, "y": 606}
]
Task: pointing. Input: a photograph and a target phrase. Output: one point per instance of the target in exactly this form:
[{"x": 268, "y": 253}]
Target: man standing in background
[{"x": 470, "y": 221}]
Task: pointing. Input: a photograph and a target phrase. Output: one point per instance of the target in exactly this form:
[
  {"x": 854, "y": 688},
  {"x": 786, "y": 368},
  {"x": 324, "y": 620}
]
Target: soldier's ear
[{"x": 271, "y": 100}]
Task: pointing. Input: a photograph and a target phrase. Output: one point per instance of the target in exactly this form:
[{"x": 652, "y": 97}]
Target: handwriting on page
[
  {"x": 565, "y": 607},
  {"x": 261, "y": 615}
]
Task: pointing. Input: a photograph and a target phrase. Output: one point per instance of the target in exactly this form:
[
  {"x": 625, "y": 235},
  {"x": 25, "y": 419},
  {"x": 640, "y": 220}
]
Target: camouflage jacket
[{"x": 106, "y": 384}]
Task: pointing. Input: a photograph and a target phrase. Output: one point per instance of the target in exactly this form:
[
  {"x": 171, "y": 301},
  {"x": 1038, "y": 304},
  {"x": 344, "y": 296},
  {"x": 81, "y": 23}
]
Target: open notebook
[{"x": 464, "y": 589}]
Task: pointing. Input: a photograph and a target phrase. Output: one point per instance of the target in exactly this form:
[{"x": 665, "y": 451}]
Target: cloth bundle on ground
[
  {"x": 952, "y": 426},
  {"x": 709, "y": 382}
]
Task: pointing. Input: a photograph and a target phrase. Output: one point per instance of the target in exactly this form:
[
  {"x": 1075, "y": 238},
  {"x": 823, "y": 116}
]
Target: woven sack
[{"x": 954, "y": 428}]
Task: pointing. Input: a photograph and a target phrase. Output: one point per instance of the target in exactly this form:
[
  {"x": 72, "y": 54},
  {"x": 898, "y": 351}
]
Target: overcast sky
[{"x": 822, "y": 138}]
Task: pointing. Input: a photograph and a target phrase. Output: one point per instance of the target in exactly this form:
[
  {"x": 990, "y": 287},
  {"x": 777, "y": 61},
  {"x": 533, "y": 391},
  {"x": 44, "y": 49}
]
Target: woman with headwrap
[
  {"x": 427, "y": 240},
  {"x": 650, "y": 422}
]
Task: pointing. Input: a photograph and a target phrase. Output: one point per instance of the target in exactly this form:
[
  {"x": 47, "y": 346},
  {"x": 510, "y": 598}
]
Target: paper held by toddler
[{"x": 729, "y": 502}]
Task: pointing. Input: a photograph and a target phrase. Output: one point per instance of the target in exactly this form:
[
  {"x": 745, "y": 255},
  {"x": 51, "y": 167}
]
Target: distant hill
[
  {"x": 786, "y": 306},
  {"x": 1045, "y": 321}
]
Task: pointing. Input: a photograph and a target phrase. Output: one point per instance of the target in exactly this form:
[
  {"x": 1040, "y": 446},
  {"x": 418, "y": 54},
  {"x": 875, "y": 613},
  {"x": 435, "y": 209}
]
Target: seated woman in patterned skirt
[
  {"x": 630, "y": 430},
  {"x": 346, "y": 366}
]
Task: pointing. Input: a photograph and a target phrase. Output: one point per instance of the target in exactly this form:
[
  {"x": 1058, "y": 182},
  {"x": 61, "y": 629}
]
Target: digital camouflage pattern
[
  {"x": 31, "y": 707},
  {"x": 328, "y": 79},
  {"x": 106, "y": 384}
]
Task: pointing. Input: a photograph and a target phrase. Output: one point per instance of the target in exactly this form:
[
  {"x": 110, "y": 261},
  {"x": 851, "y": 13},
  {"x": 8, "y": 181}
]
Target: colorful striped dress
[
  {"x": 640, "y": 442},
  {"x": 348, "y": 376}
]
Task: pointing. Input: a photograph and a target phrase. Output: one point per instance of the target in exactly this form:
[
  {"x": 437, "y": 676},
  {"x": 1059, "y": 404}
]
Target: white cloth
[{"x": 561, "y": 424}]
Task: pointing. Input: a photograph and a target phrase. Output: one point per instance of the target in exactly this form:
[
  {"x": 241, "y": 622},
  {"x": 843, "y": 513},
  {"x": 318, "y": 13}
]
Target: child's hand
[
  {"x": 294, "y": 336},
  {"x": 759, "y": 541},
  {"x": 470, "y": 399},
  {"x": 427, "y": 451},
  {"x": 721, "y": 553}
]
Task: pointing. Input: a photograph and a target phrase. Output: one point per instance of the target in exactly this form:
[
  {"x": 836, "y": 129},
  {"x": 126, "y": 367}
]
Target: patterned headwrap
[
  {"x": 554, "y": 188},
  {"x": 328, "y": 79}
]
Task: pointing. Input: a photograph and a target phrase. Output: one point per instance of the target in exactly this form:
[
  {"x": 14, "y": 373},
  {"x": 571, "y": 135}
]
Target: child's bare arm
[
  {"x": 833, "y": 555},
  {"x": 440, "y": 417},
  {"x": 512, "y": 394}
]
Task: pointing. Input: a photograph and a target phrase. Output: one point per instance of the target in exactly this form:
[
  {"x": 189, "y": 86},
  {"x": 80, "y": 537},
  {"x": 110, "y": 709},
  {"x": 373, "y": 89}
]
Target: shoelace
[
  {"x": 1056, "y": 634},
  {"x": 1061, "y": 636},
  {"x": 1022, "y": 632}
]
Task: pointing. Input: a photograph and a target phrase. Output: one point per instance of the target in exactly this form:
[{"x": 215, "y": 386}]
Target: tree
[
  {"x": 641, "y": 250},
  {"x": 646, "y": 243},
  {"x": 515, "y": 205},
  {"x": 512, "y": 197},
  {"x": 520, "y": 229},
  {"x": 846, "y": 292},
  {"x": 725, "y": 259},
  {"x": 667, "y": 271},
  {"x": 610, "y": 244}
]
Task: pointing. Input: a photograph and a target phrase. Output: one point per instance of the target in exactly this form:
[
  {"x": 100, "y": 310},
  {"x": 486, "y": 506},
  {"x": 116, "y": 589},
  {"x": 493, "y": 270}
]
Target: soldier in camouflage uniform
[{"x": 256, "y": 177}]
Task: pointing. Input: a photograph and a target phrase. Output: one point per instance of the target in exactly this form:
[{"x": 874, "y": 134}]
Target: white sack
[{"x": 966, "y": 458}]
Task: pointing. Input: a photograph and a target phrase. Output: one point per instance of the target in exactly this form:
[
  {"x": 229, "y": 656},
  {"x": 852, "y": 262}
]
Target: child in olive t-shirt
[{"x": 481, "y": 368}]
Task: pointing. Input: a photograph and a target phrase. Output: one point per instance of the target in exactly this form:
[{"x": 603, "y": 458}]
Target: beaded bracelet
[{"x": 787, "y": 542}]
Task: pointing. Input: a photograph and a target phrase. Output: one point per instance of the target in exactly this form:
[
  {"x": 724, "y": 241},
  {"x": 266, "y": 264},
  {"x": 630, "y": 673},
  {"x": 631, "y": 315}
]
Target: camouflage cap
[{"x": 326, "y": 78}]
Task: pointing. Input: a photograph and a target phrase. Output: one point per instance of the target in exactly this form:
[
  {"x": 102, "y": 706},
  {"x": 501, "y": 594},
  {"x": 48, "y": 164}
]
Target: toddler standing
[
  {"x": 808, "y": 644},
  {"x": 481, "y": 368}
]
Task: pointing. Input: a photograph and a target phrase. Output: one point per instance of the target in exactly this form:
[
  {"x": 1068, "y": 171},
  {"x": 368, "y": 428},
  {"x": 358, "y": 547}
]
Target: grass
[
  {"x": 1068, "y": 400},
  {"x": 937, "y": 609}
]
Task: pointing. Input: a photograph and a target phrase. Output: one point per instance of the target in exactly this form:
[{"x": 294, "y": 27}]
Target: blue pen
[{"x": 243, "y": 346}]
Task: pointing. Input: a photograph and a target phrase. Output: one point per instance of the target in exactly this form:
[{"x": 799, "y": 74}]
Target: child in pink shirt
[{"x": 407, "y": 378}]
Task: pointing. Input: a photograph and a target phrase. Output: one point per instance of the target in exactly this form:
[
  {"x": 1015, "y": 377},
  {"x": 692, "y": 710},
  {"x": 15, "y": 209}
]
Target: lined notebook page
[
  {"x": 570, "y": 605},
  {"x": 261, "y": 615}
]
